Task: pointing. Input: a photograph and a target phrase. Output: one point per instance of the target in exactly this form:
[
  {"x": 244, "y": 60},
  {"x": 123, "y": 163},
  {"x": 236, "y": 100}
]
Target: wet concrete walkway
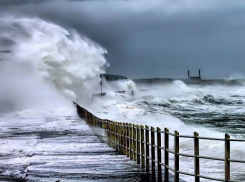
[{"x": 80, "y": 156}]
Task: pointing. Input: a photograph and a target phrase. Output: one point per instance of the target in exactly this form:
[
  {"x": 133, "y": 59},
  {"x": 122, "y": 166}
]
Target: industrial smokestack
[
  {"x": 199, "y": 73},
  {"x": 188, "y": 73}
]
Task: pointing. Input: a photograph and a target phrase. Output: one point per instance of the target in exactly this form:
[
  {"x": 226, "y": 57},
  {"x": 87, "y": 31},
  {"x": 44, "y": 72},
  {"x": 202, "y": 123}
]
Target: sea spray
[
  {"x": 210, "y": 110},
  {"x": 46, "y": 64}
]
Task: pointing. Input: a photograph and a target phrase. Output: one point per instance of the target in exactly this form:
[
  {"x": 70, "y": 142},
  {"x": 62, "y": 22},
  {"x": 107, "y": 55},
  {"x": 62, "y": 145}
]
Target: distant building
[
  {"x": 112, "y": 77},
  {"x": 108, "y": 78},
  {"x": 194, "y": 78}
]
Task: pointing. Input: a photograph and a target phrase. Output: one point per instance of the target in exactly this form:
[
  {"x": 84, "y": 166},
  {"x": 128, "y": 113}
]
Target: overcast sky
[{"x": 153, "y": 38}]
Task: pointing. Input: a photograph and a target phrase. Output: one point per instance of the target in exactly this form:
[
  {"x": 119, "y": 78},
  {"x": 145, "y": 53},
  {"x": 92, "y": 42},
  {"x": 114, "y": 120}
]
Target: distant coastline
[{"x": 191, "y": 81}]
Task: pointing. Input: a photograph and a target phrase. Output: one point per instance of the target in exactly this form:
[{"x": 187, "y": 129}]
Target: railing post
[
  {"x": 166, "y": 155},
  {"x": 107, "y": 132},
  {"x": 119, "y": 138},
  {"x": 147, "y": 148},
  {"x": 159, "y": 154},
  {"x": 86, "y": 115},
  {"x": 134, "y": 141},
  {"x": 127, "y": 145},
  {"x": 117, "y": 135},
  {"x": 90, "y": 118},
  {"x": 227, "y": 157},
  {"x": 103, "y": 123},
  {"x": 142, "y": 146},
  {"x": 112, "y": 136},
  {"x": 153, "y": 152},
  {"x": 138, "y": 144},
  {"x": 196, "y": 157},
  {"x": 176, "y": 156},
  {"x": 111, "y": 129},
  {"x": 124, "y": 139},
  {"x": 131, "y": 141}
]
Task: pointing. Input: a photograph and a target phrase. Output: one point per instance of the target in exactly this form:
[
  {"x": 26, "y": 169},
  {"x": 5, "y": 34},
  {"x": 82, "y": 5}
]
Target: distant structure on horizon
[
  {"x": 108, "y": 77},
  {"x": 194, "y": 78}
]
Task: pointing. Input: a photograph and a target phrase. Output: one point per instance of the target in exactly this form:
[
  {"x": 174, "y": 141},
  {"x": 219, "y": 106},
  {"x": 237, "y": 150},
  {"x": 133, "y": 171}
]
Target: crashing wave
[{"x": 46, "y": 62}]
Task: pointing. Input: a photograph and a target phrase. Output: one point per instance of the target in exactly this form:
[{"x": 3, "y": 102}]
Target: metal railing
[{"x": 133, "y": 141}]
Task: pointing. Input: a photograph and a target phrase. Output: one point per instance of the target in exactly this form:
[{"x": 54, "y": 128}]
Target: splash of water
[{"x": 43, "y": 63}]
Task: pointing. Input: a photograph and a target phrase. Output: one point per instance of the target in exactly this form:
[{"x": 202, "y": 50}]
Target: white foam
[
  {"x": 147, "y": 114},
  {"x": 46, "y": 63}
]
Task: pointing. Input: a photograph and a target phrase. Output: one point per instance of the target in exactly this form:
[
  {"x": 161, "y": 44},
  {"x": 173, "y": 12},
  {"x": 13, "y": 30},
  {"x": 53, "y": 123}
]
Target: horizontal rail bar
[
  {"x": 171, "y": 134},
  {"x": 185, "y": 155},
  {"x": 209, "y": 138},
  {"x": 170, "y": 168},
  {"x": 170, "y": 151},
  {"x": 185, "y": 136},
  {"x": 186, "y": 173},
  {"x": 148, "y": 157},
  {"x": 235, "y": 160},
  {"x": 236, "y": 140},
  {"x": 207, "y": 177},
  {"x": 211, "y": 158}
]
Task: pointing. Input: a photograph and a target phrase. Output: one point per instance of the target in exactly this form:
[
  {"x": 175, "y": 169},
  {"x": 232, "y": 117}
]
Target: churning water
[
  {"x": 210, "y": 110},
  {"x": 43, "y": 67}
]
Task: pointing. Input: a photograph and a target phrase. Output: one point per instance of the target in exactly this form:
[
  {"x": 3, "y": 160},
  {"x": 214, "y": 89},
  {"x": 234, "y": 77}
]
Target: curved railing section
[{"x": 133, "y": 141}]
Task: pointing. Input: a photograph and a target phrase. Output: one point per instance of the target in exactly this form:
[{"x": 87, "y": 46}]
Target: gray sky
[{"x": 153, "y": 38}]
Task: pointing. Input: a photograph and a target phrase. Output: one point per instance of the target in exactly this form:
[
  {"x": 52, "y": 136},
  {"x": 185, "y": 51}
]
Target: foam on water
[{"x": 180, "y": 107}]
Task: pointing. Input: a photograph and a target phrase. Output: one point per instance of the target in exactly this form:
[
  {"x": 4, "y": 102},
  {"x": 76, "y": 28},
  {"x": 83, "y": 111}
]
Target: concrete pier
[{"x": 87, "y": 159}]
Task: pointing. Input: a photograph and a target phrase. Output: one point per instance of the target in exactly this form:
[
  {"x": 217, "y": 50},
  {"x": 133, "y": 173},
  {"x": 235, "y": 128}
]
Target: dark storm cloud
[{"x": 158, "y": 38}]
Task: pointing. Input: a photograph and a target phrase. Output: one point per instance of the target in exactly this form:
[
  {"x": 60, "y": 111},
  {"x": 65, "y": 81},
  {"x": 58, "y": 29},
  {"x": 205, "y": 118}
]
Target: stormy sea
[{"x": 44, "y": 67}]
